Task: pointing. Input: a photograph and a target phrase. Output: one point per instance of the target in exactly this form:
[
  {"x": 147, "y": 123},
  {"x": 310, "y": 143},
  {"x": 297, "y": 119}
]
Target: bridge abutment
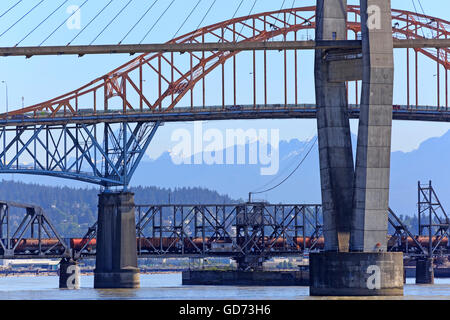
[
  {"x": 116, "y": 258},
  {"x": 69, "y": 274}
]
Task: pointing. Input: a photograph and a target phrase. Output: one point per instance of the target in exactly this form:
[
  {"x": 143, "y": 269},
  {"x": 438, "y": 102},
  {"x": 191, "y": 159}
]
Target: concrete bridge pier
[
  {"x": 424, "y": 271},
  {"x": 69, "y": 274},
  {"x": 116, "y": 258},
  {"x": 355, "y": 201}
]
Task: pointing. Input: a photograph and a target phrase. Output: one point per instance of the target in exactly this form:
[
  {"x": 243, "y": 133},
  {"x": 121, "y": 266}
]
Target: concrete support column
[
  {"x": 372, "y": 172},
  {"x": 335, "y": 149},
  {"x": 356, "y": 274},
  {"x": 424, "y": 271},
  {"x": 116, "y": 258},
  {"x": 69, "y": 274}
]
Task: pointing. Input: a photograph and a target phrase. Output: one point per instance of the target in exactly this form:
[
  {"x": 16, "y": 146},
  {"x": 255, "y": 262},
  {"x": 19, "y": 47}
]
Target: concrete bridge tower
[{"x": 355, "y": 201}]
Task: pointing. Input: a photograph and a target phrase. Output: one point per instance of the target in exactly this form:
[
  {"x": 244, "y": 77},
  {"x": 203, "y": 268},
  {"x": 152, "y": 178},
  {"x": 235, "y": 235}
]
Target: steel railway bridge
[{"x": 247, "y": 232}]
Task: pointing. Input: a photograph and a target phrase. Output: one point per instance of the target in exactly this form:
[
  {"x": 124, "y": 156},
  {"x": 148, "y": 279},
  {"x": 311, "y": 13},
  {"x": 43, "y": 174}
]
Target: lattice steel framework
[
  {"x": 228, "y": 229},
  {"x": 34, "y": 236},
  {"x": 431, "y": 217},
  {"x": 104, "y": 154}
]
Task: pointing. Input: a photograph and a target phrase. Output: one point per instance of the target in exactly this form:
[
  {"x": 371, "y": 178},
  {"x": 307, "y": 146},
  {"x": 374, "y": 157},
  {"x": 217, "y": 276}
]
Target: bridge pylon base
[
  {"x": 116, "y": 257},
  {"x": 356, "y": 274}
]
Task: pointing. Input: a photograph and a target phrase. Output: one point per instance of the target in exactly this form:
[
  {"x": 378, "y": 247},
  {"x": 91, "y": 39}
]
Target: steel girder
[
  {"x": 34, "y": 237},
  {"x": 103, "y": 154},
  {"x": 247, "y": 229}
]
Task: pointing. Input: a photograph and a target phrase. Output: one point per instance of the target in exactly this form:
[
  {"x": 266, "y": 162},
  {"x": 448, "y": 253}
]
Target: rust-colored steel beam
[{"x": 209, "y": 46}]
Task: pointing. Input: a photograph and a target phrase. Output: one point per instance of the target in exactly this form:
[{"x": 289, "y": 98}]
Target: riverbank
[{"x": 46, "y": 273}]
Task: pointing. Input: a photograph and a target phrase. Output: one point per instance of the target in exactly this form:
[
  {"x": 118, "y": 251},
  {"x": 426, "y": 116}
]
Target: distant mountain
[
  {"x": 237, "y": 180},
  {"x": 431, "y": 161}
]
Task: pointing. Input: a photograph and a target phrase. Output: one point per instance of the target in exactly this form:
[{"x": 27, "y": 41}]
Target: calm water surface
[{"x": 168, "y": 286}]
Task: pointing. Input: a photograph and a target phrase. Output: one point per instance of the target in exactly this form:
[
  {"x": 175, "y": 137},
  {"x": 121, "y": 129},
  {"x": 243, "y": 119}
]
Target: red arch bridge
[
  {"x": 242, "y": 231},
  {"x": 99, "y": 132}
]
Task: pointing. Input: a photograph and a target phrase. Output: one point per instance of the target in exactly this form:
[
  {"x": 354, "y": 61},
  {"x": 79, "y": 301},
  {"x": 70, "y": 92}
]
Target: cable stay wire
[
  {"x": 273, "y": 25},
  {"x": 289, "y": 166},
  {"x": 10, "y": 8},
  {"x": 234, "y": 15},
  {"x": 290, "y": 175},
  {"x": 431, "y": 21},
  {"x": 142, "y": 17},
  {"x": 41, "y": 23},
  {"x": 26, "y": 14},
  {"x": 156, "y": 22},
  {"x": 92, "y": 20},
  {"x": 187, "y": 18},
  {"x": 206, "y": 14},
  {"x": 112, "y": 20},
  {"x": 415, "y": 9},
  {"x": 282, "y": 6},
  {"x": 65, "y": 21},
  {"x": 237, "y": 9},
  {"x": 292, "y": 8},
  {"x": 250, "y": 12}
]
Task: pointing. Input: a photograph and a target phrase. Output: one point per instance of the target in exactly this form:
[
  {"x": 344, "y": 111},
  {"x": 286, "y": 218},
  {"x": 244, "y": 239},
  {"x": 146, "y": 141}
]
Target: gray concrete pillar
[
  {"x": 69, "y": 274},
  {"x": 372, "y": 172},
  {"x": 116, "y": 257},
  {"x": 335, "y": 148},
  {"x": 424, "y": 271}
]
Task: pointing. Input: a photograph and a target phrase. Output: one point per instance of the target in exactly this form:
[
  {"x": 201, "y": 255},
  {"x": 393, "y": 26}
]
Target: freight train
[{"x": 194, "y": 245}]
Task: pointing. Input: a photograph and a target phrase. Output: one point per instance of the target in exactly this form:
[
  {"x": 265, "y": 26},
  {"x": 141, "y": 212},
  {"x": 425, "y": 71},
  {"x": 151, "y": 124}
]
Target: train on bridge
[{"x": 211, "y": 246}]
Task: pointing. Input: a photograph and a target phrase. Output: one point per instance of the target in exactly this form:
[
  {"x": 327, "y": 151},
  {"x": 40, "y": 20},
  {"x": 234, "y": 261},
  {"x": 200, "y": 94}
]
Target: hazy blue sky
[{"x": 40, "y": 78}]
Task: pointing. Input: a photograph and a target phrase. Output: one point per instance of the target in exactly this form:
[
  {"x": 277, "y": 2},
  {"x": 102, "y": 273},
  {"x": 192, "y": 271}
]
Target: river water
[{"x": 168, "y": 286}]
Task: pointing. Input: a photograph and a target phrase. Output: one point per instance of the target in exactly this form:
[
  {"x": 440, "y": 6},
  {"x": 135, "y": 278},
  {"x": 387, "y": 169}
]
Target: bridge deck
[{"x": 179, "y": 114}]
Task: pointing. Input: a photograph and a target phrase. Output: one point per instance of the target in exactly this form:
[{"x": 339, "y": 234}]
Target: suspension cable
[
  {"x": 92, "y": 20},
  {"x": 415, "y": 9},
  {"x": 242, "y": 28},
  {"x": 26, "y": 14},
  {"x": 282, "y": 6},
  {"x": 290, "y": 175},
  {"x": 112, "y": 20},
  {"x": 187, "y": 18},
  {"x": 142, "y": 17},
  {"x": 292, "y": 162},
  {"x": 65, "y": 21},
  {"x": 206, "y": 14},
  {"x": 42, "y": 22},
  {"x": 292, "y": 8},
  {"x": 156, "y": 22},
  {"x": 10, "y": 8},
  {"x": 237, "y": 9}
]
